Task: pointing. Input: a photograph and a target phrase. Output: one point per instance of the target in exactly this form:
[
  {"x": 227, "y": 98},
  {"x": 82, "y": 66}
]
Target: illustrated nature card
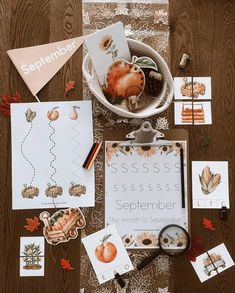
[
  {"x": 143, "y": 191},
  {"x": 106, "y": 46},
  {"x": 107, "y": 253},
  {"x": 32, "y": 253},
  {"x": 50, "y": 142},
  {"x": 210, "y": 184},
  {"x": 197, "y": 113},
  {"x": 212, "y": 262},
  {"x": 198, "y": 88}
]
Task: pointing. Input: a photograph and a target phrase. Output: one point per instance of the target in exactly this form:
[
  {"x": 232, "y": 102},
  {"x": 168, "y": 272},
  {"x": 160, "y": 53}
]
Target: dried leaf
[
  {"x": 5, "y": 108},
  {"x": 33, "y": 224},
  {"x": 208, "y": 224},
  {"x": 65, "y": 264},
  {"x": 69, "y": 86}
]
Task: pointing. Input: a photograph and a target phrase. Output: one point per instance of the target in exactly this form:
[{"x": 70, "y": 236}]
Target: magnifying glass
[{"x": 173, "y": 240}]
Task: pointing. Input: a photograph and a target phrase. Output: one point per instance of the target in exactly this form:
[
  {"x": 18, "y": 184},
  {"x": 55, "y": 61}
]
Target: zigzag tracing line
[
  {"x": 24, "y": 156},
  {"x": 51, "y": 152},
  {"x": 76, "y": 151}
]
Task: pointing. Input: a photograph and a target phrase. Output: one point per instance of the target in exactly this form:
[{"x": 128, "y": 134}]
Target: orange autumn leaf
[
  {"x": 33, "y": 224},
  {"x": 69, "y": 86},
  {"x": 66, "y": 264},
  {"x": 208, "y": 224}
]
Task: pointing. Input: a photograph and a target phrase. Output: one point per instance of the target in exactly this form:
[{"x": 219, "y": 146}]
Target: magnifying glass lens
[{"x": 173, "y": 240}]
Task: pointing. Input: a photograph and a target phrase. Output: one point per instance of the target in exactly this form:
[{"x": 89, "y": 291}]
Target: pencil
[{"x": 182, "y": 176}]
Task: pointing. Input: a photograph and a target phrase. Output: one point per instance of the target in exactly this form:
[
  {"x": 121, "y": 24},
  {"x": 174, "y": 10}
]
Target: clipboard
[{"x": 157, "y": 138}]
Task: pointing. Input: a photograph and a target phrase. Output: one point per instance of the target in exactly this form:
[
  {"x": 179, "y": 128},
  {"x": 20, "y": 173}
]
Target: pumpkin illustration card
[
  {"x": 210, "y": 184},
  {"x": 32, "y": 253},
  {"x": 212, "y": 262},
  {"x": 106, "y": 46},
  {"x": 107, "y": 253},
  {"x": 50, "y": 142}
]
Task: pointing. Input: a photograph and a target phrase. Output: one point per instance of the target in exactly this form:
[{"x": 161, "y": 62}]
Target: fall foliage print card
[
  {"x": 143, "y": 191},
  {"x": 107, "y": 253},
  {"x": 210, "y": 184},
  {"x": 32, "y": 254},
  {"x": 212, "y": 262},
  {"x": 50, "y": 142},
  {"x": 106, "y": 46}
]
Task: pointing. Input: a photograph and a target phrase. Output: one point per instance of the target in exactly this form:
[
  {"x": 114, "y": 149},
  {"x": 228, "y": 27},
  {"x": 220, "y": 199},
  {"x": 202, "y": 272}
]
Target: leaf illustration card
[
  {"x": 210, "y": 184},
  {"x": 107, "y": 253},
  {"x": 32, "y": 254},
  {"x": 139, "y": 196},
  {"x": 105, "y": 46},
  {"x": 50, "y": 142},
  {"x": 212, "y": 262}
]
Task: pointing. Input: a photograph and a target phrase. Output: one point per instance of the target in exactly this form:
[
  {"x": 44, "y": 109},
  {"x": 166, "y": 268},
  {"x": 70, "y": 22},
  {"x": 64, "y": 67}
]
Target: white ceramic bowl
[{"x": 159, "y": 104}]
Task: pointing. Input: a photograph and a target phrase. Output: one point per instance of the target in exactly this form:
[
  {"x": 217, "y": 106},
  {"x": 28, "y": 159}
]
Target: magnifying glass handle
[{"x": 147, "y": 260}]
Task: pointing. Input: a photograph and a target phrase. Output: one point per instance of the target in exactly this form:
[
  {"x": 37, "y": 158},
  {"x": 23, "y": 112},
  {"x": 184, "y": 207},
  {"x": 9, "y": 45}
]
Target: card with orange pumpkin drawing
[
  {"x": 50, "y": 142},
  {"x": 107, "y": 254}
]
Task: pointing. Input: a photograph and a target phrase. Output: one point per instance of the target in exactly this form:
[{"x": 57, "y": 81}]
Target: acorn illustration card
[
  {"x": 107, "y": 254},
  {"x": 212, "y": 262},
  {"x": 143, "y": 190},
  {"x": 210, "y": 184},
  {"x": 32, "y": 253},
  {"x": 50, "y": 142},
  {"x": 106, "y": 46}
]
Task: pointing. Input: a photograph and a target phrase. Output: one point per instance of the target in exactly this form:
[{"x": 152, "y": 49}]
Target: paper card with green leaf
[
  {"x": 107, "y": 254},
  {"x": 210, "y": 184},
  {"x": 106, "y": 46},
  {"x": 32, "y": 254}
]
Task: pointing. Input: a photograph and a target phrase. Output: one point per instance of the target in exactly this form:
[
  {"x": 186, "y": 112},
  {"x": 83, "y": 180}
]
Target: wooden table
[{"x": 206, "y": 30}]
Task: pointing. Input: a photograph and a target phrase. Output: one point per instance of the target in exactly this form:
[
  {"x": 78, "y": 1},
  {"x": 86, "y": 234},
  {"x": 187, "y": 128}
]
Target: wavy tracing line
[
  {"x": 51, "y": 152},
  {"x": 76, "y": 151},
  {"x": 23, "y": 154}
]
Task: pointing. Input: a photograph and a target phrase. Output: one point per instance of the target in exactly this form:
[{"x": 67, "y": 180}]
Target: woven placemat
[{"x": 145, "y": 21}]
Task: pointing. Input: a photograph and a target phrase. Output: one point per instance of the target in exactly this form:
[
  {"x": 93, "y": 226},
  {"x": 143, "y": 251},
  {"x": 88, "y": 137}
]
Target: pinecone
[{"x": 153, "y": 86}]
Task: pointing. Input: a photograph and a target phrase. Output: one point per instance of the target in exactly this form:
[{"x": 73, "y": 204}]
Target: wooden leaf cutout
[
  {"x": 69, "y": 86},
  {"x": 208, "y": 224},
  {"x": 65, "y": 264},
  {"x": 5, "y": 103},
  {"x": 32, "y": 224},
  {"x": 196, "y": 248}
]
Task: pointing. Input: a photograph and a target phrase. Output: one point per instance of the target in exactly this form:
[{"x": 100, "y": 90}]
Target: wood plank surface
[{"x": 206, "y": 30}]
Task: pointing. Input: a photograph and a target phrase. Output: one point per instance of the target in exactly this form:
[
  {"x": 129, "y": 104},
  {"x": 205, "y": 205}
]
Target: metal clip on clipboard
[{"x": 146, "y": 135}]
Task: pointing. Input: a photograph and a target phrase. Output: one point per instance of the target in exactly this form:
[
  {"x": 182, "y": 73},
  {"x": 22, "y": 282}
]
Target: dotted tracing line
[
  {"x": 51, "y": 152},
  {"x": 24, "y": 156},
  {"x": 76, "y": 151}
]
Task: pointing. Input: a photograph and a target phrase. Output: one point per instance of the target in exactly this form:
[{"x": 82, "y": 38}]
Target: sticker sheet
[
  {"x": 32, "y": 254},
  {"x": 139, "y": 197},
  {"x": 212, "y": 262},
  {"x": 210, "y": 184},
  {"x": 50, "y": 142},
  {"x": 107, "y": 254}
]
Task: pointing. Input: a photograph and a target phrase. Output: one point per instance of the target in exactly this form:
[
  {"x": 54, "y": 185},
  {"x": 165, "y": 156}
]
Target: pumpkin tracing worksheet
[{"x": 50, "y": 142}]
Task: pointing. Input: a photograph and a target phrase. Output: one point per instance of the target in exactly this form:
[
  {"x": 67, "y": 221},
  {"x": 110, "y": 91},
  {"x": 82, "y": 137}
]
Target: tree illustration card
[
  {"x": 212, "y": 262},
  {"x": 105, "y": 46},
  {"x": 198, "y": 88},
  {"x": 143, "y": 191},
  {"x": 210, "y": 184},
  {"x": 107, "y": 254},
  {"x": 32, "y": 253},
  {"x": 50, "y": 142}
]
